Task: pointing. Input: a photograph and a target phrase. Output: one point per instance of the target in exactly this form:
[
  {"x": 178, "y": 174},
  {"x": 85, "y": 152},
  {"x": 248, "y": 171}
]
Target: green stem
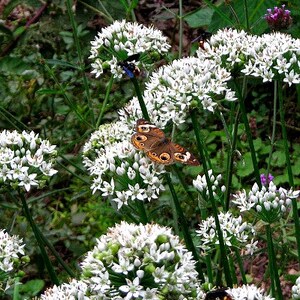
[
  {"x": 180, "y": 29},
  {"x": 80, "y": 60},
  {"x": 241, "y": 266},
  {"x": 246, "y": 15},
  {"x": 184, "y": 226},
  {"x": 106, "y": 15},
  {"x": 142, "y": 212},
  {"x": 248, "y": 131},
  {"x": 183, "y": 183},
  {"x": 16, "y": 295},
  {"x": 108, "y": 90},
  {"x": 275, "y": 282},
  {"x": 66, "y": 97},
  {"x": 11, "y": 119},
  {"x": 140, "y": 98},
  {"x": 273, "y": 127},
  {"x": 289, "y": 167},
  {"x": 56, "y": 254},
  {"x": 230, "y": 160},
  {"x": 200, "y": 147},
  {"x": 36, "y": 232}
]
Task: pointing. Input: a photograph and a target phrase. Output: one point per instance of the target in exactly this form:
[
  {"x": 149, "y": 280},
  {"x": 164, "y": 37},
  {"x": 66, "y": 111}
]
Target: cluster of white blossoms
[
  {"x": 200, "y": 184},
  {"x": 73, "y": 290},
  {"x": 248, "y": 292},
  {"x": 296, "y": 289},
  {"x": 269, "y": 202},
  {"x": 270, "y": 56},
  {"x": 11, "y": 251},
  {"x": 119, "y": 171},
  {"x": 122, "y": 39},
  {"x": 174, "y": 89},
  {"x": 25, "y": 159},
  {"x": 236, "y": 233},
  {"x": 141, "y": 262}
]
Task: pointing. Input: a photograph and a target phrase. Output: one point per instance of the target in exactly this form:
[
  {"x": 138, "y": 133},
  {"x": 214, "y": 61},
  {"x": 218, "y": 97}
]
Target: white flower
[
  {"x": 122, "y": 39},
  {"x": 11, "y": 247},
  {"x": 119, "y": 171},
  {"x": 249, "y": 292},
  {"x": 129, "y": 253},
  {"x": 270, "y": 56},
  {"x": 172, "y": 88},
  {"x": 25, "y": 159},
  {"x": 296, "y": 289},
  {"x": 75, "y": 290},
  {"x": 235, "y": 231},
  {"x": 269, "y": 202}
]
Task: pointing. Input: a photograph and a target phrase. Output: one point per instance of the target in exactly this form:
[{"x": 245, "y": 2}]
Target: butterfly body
[{"x": 157, "y": 147}]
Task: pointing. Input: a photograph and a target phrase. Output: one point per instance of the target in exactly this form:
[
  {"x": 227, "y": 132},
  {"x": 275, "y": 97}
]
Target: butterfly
[
  {"x": 157, "y": 147},
  {"x": 129, "y": 67},
  {"x": 218, "y": 294}
]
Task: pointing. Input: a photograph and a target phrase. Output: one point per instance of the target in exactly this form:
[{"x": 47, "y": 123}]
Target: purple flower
[
  {"x": 265, "y": 180},
  {"x": 278, "y": 18}
]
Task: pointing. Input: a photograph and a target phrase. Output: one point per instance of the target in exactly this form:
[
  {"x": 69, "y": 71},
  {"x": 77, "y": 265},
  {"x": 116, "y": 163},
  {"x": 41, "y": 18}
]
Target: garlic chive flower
[
  {"x": 296, "y": 289},
  {"x": 272, "y": 56},
  {"x": 174, "y": 89},
  {"x": 200, "y": 184},
  {"x": 278, "y": 18},
  {"x": 11, "y": 251},
  {"x": 140, "y": 262},
  {"x": 236, "y": 233},
  {"x": 74, "y": 290},
  {"x": 269, "y": 202},
  {"x": 25, "y": 159},
  {"x": 118, "y": 170},
  {"x": 119, "y": 41},
  {"x": 248, "y": 292}
]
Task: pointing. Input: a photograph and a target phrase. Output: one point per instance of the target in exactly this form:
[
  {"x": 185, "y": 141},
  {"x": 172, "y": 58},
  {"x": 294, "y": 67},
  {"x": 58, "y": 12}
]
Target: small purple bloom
[
  {"x": 278, "y": 18},
  {"x": 265, "y": 180}
]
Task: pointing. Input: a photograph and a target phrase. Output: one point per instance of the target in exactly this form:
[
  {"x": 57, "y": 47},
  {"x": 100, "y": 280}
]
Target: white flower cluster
[
  {"x": 248, "y": 292},
  {"x": 269, "y": 201},
  {"x": 122, "y": 39},
  {"x": 270, "y": 56},
  {"x": 170, "y": 90},
  {"x": 140, "y": 262},
  {"x": 118, "y": 170},
  {"x": 296, "y": 289},
  {"x": 68, "y": 291},
  {"x": 11, "y": 248},
  {"x": 200, "y": 183},
  {"x": 235, "y": 231},
  {"x": 25, "y": 159}
]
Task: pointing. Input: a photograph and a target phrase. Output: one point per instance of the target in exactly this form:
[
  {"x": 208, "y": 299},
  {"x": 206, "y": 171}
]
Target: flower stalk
[
  {"x": 39, "y": 240},
  {"x": 200, "y": 147}
]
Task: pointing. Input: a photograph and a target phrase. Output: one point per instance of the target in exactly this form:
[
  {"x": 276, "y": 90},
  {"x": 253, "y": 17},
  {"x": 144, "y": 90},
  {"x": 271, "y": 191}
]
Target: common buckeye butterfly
[{"x": 157, "y": 147}]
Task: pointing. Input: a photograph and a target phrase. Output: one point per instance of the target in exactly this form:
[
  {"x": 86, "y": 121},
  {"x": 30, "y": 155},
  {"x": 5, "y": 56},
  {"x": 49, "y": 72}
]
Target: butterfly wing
[
  {"x": 147, "y": 136},
  {"x": 157, "y": 147}
]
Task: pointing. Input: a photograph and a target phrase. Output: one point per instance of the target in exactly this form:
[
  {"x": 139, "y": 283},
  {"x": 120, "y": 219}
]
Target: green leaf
[
  {"x": 32, "y": 287},
  {"x": 199, "y": 18},
  {"x": 278, "y": 159},
  {"x": 57, "y": 62},
  {"x": 13, "y": 65},
  {"x": 245, "y": 167}
]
